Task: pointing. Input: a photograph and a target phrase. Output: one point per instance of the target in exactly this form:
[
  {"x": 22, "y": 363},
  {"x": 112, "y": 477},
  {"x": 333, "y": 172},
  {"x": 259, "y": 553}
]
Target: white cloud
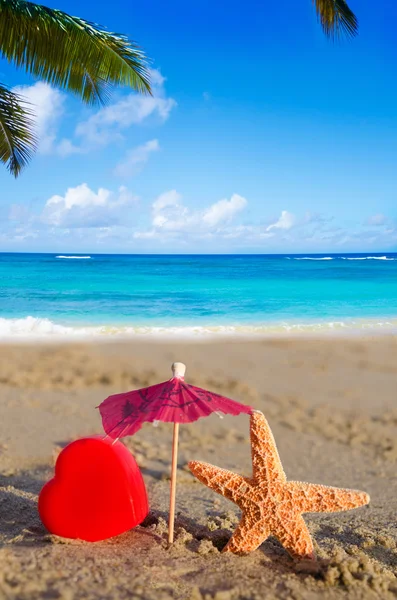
[
  {"x": 167, "y": 199},
  {"x": 157, "y": 79},
  {"x": 377, "y": 220},
  {"x": 47, "y": 106},
  {"x": 171, "y": 217},
  {"x": 169, "y": 213},
  {"x": 66, "y": 148},
  {"x": 224, "y": 210},
  {"x": 106, "y": 125},
  {"x": 82, "y": 207},
  {"x": 135, "y": 159},
  {"x": 286, "y": 221},
  {"x": 106, "y": 220}
]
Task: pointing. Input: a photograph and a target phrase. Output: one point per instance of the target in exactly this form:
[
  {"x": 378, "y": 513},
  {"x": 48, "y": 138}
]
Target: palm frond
[
  {"x": 69, "y": 52},
  {"x": 336, "y": 18},
  {"x": 17, "y": 138}
]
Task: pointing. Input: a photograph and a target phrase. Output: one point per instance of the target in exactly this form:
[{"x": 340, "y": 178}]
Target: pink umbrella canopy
[{"x": 172, "y": 401}]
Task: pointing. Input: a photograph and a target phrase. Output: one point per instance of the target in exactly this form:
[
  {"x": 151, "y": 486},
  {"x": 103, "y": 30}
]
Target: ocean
[{"x": 77, "y": 296}]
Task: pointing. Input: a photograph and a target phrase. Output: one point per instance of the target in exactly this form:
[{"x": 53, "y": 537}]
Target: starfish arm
[
  {"x": 247, "y": 537},
  {"x": 266, "y": 463},
  {"x": 294, "y": 536},
  {"x": 312, "y": 497},
  {"x": 230, "y": 485}
]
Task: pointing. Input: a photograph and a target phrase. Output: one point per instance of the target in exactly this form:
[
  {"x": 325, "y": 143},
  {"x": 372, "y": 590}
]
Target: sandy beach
[{"x": 331, "y": 404}]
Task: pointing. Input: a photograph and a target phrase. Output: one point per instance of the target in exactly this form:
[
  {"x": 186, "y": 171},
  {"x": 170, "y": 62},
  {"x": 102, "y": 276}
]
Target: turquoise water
[{"x": 46, "y": 294}]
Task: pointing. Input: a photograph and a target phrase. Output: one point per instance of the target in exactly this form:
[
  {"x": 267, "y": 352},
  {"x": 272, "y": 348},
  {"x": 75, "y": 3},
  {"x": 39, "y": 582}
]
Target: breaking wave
[
  {"x": 75, "y": 257},
  {"x": 35, "y": 328},
  {"x": 366, "y": 258},
  {"x": 340, "y": 258}
]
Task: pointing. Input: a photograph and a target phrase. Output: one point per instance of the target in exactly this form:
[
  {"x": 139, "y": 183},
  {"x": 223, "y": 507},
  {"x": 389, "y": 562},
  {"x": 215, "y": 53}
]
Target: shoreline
[{"x": 35, "y": 329}]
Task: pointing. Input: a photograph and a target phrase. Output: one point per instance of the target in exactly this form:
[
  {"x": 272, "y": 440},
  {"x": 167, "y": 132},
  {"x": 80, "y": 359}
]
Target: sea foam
[
  {"x": 75, "y": 257},
  {"x": 339, "y": 258},
  {"x": 366, "y": 258},
  {"x": 30, "y": 328}
]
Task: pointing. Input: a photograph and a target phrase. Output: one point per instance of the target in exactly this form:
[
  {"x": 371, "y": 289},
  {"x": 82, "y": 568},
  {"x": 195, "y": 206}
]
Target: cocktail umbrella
[{"x": 172, "y": 401}]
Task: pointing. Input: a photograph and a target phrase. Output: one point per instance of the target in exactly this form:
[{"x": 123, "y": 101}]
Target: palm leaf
[
  {"x": 69, "y": 52},
  {"x": 17, "y": 140},
  {"x": 336, "y": 18}
]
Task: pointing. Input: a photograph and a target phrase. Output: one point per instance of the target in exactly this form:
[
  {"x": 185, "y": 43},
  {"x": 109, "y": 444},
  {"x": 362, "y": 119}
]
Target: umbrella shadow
[
  {"x": 187, "y": 530},
  {"x": 199, "y": 539},
  {"x": 157, "y": 520}
]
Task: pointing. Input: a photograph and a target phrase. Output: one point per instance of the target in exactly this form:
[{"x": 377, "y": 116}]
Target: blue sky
[{"x": 262, "y": 136}]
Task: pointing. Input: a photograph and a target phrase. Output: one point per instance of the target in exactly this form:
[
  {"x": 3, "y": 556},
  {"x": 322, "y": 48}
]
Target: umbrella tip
[{"x": 178, "y": 369}]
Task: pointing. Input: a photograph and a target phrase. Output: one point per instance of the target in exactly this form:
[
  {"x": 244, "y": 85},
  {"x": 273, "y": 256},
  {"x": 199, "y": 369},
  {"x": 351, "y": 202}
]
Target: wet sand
[{"x": 332, "y": 405}]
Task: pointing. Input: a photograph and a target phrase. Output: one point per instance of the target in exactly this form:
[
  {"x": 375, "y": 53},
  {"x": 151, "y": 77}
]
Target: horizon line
[{"x": 71, "y": 253}]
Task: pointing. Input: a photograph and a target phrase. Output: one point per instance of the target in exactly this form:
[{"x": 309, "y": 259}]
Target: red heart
[{"x": 97, "y": 492}]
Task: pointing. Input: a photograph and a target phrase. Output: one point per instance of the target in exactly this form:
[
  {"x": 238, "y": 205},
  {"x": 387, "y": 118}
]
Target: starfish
[{"x": 270, "y": 504}]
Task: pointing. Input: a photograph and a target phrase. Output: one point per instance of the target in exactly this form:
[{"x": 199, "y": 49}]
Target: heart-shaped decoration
[{"x": 97, "y": 492}]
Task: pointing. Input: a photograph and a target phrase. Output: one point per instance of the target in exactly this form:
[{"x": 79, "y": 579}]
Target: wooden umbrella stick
[{"x": 173, "y": 484}]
